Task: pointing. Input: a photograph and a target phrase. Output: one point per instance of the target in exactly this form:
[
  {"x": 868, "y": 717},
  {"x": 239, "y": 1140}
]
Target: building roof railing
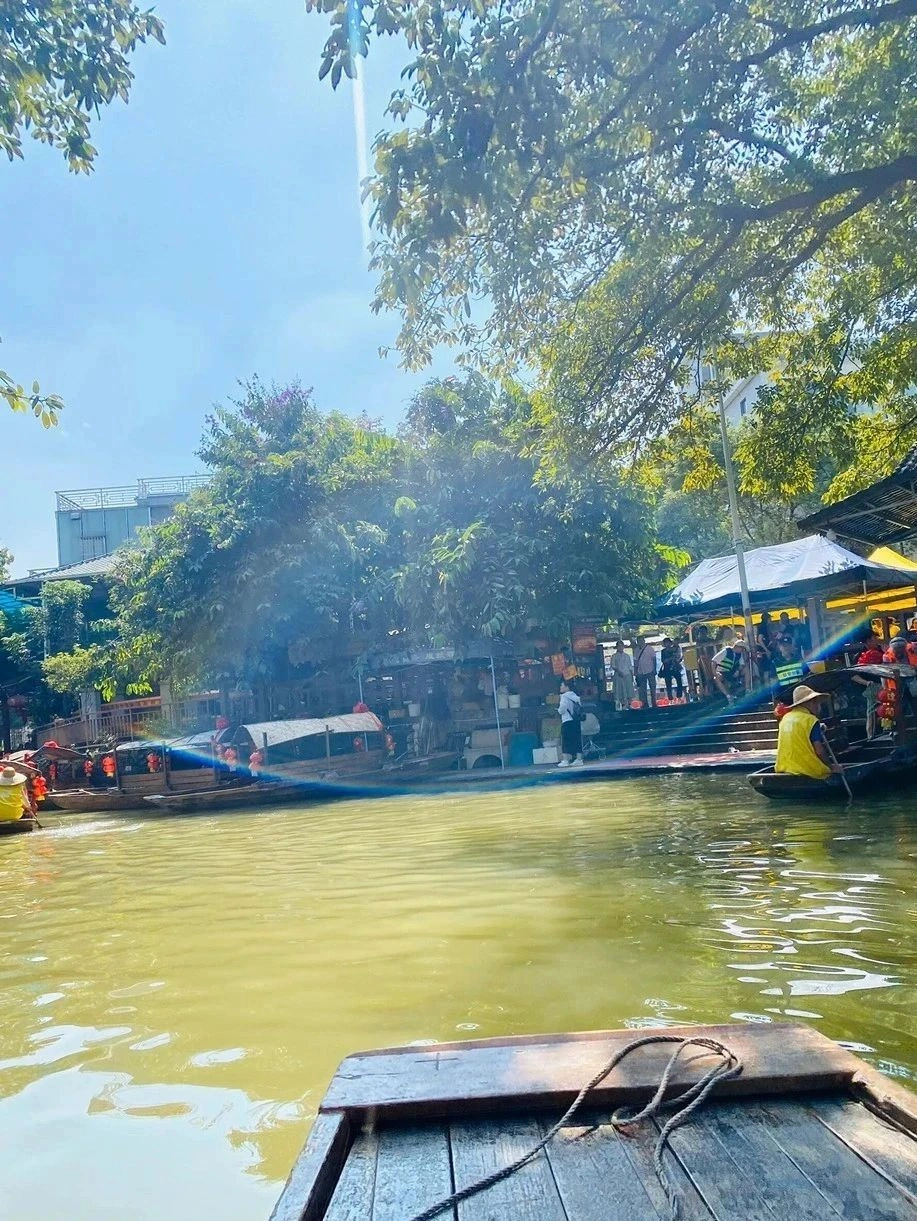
[{"x": 123, "y": 497}]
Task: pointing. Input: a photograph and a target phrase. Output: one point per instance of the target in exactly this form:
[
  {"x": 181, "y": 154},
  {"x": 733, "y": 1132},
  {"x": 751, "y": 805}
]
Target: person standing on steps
[
  {"x": 622, "y": 684},
  {"x": 571, "y": 728},
  {"x": 645, "y": 672},
  {"x": 705, "y": 651},
  {"x": 670, "y": 659}
]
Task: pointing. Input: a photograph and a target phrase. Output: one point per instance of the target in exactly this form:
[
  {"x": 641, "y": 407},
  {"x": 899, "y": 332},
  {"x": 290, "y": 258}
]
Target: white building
[
  {"x": 740, "y": 399},
  {"x": 94, "y": 522}
]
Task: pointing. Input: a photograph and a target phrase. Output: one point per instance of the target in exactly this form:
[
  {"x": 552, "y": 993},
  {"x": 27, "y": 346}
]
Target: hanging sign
[{"x": 584, "y": 639}]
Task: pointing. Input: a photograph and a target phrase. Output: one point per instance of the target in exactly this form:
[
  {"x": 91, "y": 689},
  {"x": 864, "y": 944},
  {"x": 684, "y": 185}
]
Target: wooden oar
[{"x": 833, "y": 757}]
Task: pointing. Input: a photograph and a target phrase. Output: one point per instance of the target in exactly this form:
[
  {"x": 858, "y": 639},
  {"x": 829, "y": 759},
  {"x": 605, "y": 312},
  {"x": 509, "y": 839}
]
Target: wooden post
[
  {"x": 493, "y": 682},
  {"x": 328, "y": 742}
]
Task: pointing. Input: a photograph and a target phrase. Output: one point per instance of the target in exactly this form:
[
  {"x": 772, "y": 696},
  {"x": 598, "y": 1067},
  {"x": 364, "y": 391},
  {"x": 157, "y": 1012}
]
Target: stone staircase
[{"x": 687, "y": 729}]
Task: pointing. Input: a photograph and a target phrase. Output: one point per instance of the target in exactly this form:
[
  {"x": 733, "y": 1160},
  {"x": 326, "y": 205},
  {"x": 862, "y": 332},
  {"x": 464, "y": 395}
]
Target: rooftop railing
[{"x": 124, "y": 497}]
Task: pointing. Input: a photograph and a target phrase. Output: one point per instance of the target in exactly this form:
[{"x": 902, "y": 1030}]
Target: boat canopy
[
  {"x": 192, "y": 742},
  {"x": 279, "y": 732},
  {"x": 830, "y": 680},
  {"x": 48, "y": 750},
  {"x": 60, "y": 754},
  {"x": 779, "y": 576}
]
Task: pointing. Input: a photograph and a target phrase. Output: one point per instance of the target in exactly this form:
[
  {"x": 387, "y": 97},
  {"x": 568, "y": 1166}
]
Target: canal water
[{"x": 176, "y": 993}]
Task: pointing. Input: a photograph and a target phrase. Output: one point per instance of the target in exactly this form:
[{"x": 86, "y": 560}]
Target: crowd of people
[{"x": 709, "y": 666}]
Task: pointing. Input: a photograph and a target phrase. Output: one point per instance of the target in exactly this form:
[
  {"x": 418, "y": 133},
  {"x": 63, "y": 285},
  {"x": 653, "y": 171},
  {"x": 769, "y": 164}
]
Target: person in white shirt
[
  {"x": 622, "y": 669},
  {"x": 645, "y": 672},
  {"x": 571, "y": 731}
]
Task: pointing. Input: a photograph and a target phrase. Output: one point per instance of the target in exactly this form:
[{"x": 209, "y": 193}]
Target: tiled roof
[{"x": 87, "y": 570}]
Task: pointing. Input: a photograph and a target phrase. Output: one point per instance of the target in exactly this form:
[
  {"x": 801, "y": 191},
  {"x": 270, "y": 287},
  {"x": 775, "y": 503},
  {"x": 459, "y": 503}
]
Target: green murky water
[{"x": 174, "y": 995}]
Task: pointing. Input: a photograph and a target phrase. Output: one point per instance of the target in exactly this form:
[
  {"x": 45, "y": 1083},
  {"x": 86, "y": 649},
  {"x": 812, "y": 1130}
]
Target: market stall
[{"x": 804, "y": 575}]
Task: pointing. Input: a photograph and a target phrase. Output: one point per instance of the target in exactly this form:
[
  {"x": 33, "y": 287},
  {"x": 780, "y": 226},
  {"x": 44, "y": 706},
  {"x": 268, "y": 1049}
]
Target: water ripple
[{"x": 179, "y": 992}]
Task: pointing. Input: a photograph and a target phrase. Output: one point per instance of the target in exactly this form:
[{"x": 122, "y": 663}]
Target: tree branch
[
  {"x": 900, "y": 11},
  {"x": 871, "y": 182}
]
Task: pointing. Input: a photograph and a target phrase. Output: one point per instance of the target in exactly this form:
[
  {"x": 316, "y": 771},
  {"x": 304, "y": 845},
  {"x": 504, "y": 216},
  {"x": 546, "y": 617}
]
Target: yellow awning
[{"x": 893, "y": 558}]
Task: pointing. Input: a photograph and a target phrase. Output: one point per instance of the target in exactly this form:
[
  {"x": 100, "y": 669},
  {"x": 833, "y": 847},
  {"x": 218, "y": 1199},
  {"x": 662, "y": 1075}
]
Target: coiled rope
[{"x": 728, "y": 1065}]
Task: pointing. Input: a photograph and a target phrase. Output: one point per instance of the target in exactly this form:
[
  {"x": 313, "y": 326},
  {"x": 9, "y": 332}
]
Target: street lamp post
[{"x": 734, "y": 518}]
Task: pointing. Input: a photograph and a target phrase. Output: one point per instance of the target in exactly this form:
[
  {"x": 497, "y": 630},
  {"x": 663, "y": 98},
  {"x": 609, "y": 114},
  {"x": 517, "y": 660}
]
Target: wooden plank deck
[
  {"x": 538, "y": 1071},
  {"x": 801, "y": 1135}
]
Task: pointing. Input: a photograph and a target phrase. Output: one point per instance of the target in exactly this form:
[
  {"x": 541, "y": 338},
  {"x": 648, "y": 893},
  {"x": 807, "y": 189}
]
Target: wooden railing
[{"x": 134, "y": 719}]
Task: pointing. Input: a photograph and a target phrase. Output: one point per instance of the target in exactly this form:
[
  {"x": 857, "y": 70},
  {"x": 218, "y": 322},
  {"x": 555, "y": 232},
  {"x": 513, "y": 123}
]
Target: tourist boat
[
  {"x": 180, "y": 765},
  {"x": 18, "y": 826},
  {"x": 317, "y": 758},
  {"x": 890, "y": 758},
  {"x": 794, "y": 1125},
  {"x": 312, "y": 747}
]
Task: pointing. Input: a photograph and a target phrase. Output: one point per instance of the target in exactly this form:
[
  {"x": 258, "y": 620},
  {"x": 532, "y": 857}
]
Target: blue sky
[{"x": 218, "y": 237}]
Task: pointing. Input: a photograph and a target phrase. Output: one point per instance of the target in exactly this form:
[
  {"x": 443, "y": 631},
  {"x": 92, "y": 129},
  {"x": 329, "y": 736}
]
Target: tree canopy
[
  {"x": 59, "y": 64},
  {"x": 275, "y": 557},
  {"x": 607, "y": 190},
  {"x": 28, "y": 636},
  {"x": 319, "y": 536}
]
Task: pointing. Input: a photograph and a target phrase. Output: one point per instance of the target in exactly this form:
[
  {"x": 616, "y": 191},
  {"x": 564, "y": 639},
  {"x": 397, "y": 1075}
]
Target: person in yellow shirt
[
  {"x": 802, "y": 748},
  {"x": 14, "y": 795}
]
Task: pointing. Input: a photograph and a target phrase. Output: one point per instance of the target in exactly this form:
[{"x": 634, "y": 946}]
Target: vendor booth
[{"x": 803, "y": 574}]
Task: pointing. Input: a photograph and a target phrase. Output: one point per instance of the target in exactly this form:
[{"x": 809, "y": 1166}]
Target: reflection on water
[{"x": 175, "y": 994}]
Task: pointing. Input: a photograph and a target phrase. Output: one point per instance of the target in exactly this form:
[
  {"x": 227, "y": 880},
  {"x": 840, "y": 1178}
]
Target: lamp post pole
[{"x": 734, "y": 520}]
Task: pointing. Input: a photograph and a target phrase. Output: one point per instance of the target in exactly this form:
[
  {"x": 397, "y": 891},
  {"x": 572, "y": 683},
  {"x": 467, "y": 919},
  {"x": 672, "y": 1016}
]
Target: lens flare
[{"x": 359, "y": 118}]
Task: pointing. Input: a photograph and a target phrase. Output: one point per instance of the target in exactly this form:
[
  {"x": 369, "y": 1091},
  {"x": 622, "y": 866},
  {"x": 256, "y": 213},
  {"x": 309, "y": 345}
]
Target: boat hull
[
  {"x": 872, "y": 773},
  {"x": 86, "y": 801},
  {"x": 18, "y": 826},
  {"x": 243, "y": 797}
]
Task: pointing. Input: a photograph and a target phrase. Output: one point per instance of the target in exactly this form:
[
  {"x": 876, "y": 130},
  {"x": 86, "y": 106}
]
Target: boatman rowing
[
  {"x": 802, "y": 748},
  {"x": 14, "y": 796}
]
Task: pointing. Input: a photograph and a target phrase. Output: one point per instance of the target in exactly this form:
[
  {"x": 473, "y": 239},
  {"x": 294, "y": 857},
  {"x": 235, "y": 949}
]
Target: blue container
[{"x": 521, "y": 746}]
